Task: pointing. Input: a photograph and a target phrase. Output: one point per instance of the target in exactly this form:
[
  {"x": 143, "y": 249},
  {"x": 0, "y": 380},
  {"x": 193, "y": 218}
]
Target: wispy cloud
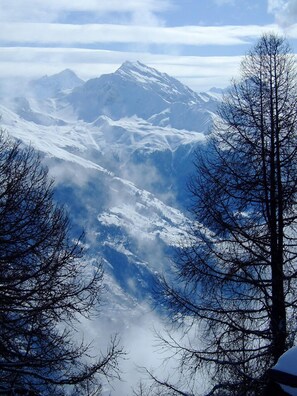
[
  {"x": 36, "y": 10},
  {"x": 198, "y": 72},
  {"x": 45, "y": 37},
  {"x": 73, "y": 34}
]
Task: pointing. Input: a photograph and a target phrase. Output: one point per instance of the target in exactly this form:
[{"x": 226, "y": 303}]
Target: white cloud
[
  {"x": 200, "y": 73},
  {"x": 145, "y": 29},
  {"x": 39, "y": 10},
  {"x": 285, "y": 11},
  {"x": 70, "y": 34},
  {"x": 137, "y": 328}
]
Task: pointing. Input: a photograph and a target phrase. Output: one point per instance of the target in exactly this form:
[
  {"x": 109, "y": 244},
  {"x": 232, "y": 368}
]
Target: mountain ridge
[
  {"x": 124, "y": 93},
  {"x": 172, "y": 88},
  {"x": 121, "y": 171},
  {"x": 49, "y": 86},
  {"x": 120, "y": 158}
]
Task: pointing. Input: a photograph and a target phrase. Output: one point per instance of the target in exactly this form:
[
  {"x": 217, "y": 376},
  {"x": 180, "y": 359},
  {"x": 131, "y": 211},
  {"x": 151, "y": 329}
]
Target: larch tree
[
  {"x": 46, "y": 286},
  {"x": 236, "y": 275}
]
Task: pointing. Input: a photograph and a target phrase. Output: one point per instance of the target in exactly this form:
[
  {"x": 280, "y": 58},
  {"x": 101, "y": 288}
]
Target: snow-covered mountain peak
[
  {"x": 135, "y": 89},
  {"x": 139, "y": 71},
  {"x": 131, "y": 65},
  {"x": 167, "y": 87},
  {"x": 48, "y": 86},
  {"x": 120, "y": 148},
  {"x": 66, "y": 78}
]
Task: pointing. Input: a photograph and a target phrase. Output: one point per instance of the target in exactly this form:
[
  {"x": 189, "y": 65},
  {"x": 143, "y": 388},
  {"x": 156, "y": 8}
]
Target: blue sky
[{"x": 199, "y": 42}]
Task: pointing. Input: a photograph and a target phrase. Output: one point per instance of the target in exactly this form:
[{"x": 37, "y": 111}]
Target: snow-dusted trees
[
  {"x": 44, "y": 287},
  {"x": 237, "y": 278}
]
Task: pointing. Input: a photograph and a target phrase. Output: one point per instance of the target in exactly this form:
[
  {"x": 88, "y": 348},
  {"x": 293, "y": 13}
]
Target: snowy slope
[
  {"x": 137, "y": 90},
  {"x": 99, "y": 164},
  {"x": 120, "y": 149},
  {"x": 51, "y": 86},
  {"x": 119, "y": 164},
  {"x": 168, "y": 88}
]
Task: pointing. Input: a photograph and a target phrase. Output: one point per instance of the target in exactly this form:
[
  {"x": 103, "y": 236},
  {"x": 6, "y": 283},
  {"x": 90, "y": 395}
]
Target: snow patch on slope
[{"x": 132, "y": 215}]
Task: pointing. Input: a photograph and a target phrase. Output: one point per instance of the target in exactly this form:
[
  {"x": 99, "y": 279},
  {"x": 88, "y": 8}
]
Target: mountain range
[{"x": 120, "y": 148}]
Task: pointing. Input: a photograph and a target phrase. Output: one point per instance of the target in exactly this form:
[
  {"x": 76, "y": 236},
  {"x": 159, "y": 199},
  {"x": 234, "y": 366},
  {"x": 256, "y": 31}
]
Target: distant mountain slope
[
  {"x": 126, "y": 224},
  {"x": 138, "y": 90},
  {"x": 120, "y": 148},
  {"x": 50, "y": 86},
  {"x": 168, "y": 88}
]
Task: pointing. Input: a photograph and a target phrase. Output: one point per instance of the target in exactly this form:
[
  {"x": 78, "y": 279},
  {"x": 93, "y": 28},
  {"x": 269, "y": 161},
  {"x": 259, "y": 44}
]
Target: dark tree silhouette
[
  {"x": 236, "y": 276},
  {"x": 45, "y": 286}
]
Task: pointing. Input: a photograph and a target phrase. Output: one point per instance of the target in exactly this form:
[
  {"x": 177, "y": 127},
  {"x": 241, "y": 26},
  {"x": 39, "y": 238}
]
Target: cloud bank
[
  {"x": 31, "y": 10},
  {"x": 88, "y": 34},
  {"x": 95, "y": 37},
  {"x": 198, "y": 72}
]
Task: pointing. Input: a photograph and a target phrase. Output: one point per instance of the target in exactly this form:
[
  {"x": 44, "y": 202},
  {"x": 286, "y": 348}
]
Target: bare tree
[
  {"x": 236, "y": 278},
  {"x": 45, "y": 287}
]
